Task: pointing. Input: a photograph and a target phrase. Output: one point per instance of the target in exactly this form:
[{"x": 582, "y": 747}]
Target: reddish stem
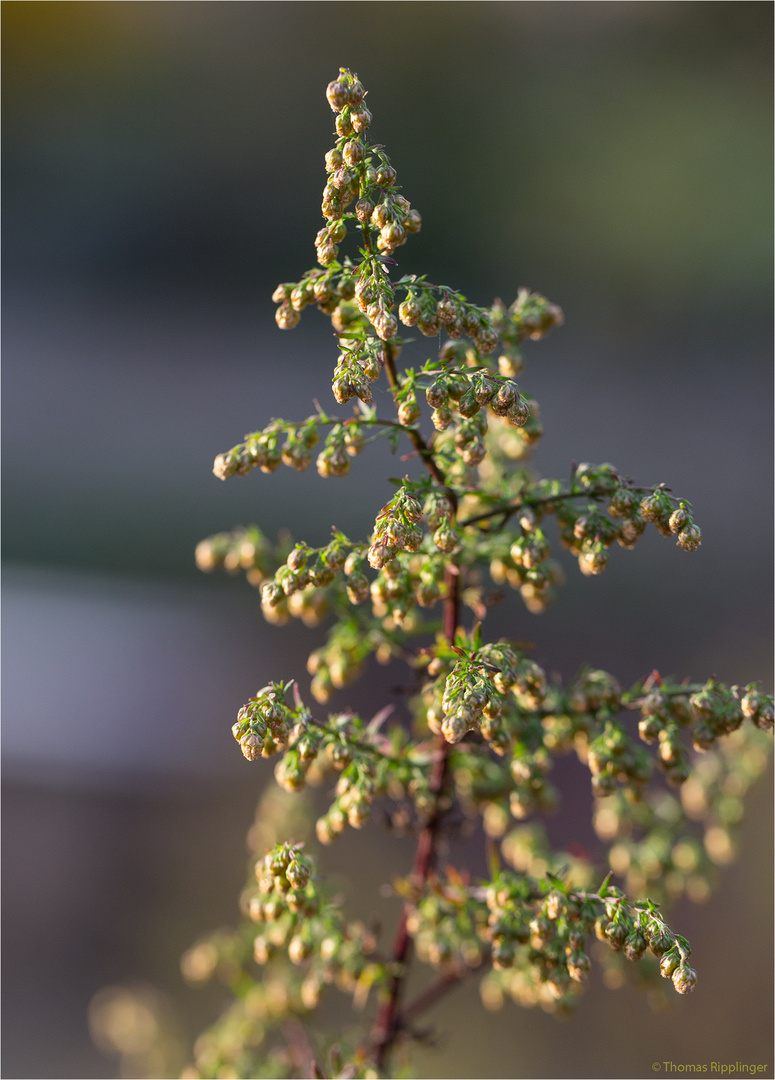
[{"x": 388, "y": 1022}]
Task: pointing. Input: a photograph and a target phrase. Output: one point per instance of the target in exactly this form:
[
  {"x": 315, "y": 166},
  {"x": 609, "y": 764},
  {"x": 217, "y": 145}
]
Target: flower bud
[
  {"x": 386, "y": 175},
  {"x": 334, "y": 160},
  {"x": 468, "y": 405},
  {"x": 429, "y": 323},
  {"x": 413, "y": 221},
  {"x": 669, "y": 964},
  {"x": 445, "y": 537},
  {"x": 442, "y": 417},
  {"x": 684, "y": 979},
  {"x": 344, "y": 124},
  {"x": 519, "y": 413},
  {"x": 364, "y": 208},
  {"x": 286, "y": 317},
  {"x": 409, "y": 311},
  {"x": 689, "y": 538},
  {"x": 386, "y": 325},
  {"x": 378, "y": 555},
  {"x": 338, "y": 94},
  {"x": 360, "y": 118},
  {"x": 353, "y": 152},
  {"x": 409, "y": 411},
  {"x": 593, "y": 562}
]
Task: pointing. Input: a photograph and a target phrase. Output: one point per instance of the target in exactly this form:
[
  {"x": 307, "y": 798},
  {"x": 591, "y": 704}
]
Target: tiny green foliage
[{"x": 669, "y": 761}]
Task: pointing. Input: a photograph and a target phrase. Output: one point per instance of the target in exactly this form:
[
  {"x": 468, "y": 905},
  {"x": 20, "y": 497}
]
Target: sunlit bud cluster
[
  {"x": 261, "y": 449},
  {"x": 296, "y": 587},
  {"x": 356, "y": 789},
  {"x": 306, "y": 741},
  {"x": 440, "y": 512},
  {"x": 339, "y": 661},
  {"x": 264, "y": 449},
  {"x": 717, "y": 710},
  {"x": 264, "y": 723},
  {"x": 329, "y": 290},
  {"x": 660, "y": 508},
  {"x": 474, "y": 695},
  {"x": 374, "y": 297},
  {"x": 341, "y": 444},
  {"x": 757, "y": 707},
  {"x": 284, "y": 877},
  {"x": 587, "y": 532},
  {"x": 356, "y": 368},
  {"x": 539, "y": 931},
  {"x": 242, "y": 549},
  {"x": 613, "y": 757},
  {"x": 653, "y": 845},
  {"x": 392, "y": 215},
  {"x": 431, "y": 309},
  {"x": 448, "y": 928},
  {"x": 530, "y": 316},
  {"x": 396, "y": 529}
]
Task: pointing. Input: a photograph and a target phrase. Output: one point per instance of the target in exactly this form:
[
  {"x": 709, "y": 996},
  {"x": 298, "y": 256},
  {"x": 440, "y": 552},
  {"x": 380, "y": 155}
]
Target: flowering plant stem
[{"x": 480, "y": 734}]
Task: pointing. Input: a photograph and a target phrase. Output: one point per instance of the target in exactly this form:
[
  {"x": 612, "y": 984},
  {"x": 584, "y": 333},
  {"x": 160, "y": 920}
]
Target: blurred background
[{"x": 163, "y": 166}]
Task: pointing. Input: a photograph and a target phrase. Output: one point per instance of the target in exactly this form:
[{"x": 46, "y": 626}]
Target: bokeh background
[{"x": 162, "y": 172}]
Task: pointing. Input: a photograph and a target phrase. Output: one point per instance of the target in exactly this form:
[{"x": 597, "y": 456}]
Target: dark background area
[{"x": 163, "y": 166}]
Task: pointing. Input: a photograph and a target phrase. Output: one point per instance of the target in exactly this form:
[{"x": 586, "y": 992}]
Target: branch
[{"x": 510, "y": 508}]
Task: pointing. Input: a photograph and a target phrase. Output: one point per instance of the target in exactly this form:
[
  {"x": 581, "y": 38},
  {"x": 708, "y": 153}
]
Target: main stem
[{"x": 387, "y": 1023}]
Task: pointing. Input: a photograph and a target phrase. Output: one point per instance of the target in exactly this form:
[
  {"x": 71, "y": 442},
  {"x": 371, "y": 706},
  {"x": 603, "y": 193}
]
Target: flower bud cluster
[
  {"x": 299, "y": 588},
  {"x": 340, "y": 660},
  {"x": 285, "y": 883},
  {"x": 474, "y": 694},
  {"x": 430, "y": 308},
  {"x": 448, "y": 928},
  {"x": 653, "y": 846},
  {"x": 587, "y": 532},
  {"x": 613, "y": 757},
  {"x": 242, "y": 549},
  {"x": 375, "y": 297},
  {"x": 471, "y": 393},
  {"x": 356, "y": 368},
  {"x": 440, "y": 512},
  {"x": 294, "y": 918},
  {"x": 344, "y": 441},
  {"x": 539, "y": 928},
  {"x": 358, "y": 785},
  {"x": 264, "y": 723},
  {"x": 406, "y": 581},
  {"x": 330, "y": 290},
  {"x": 392, "y": 214},
  {"x": 262, "y": 448},
  {"x": 634, "y": 928},
  {"x": 353, "y": 173},
  {"x": 718, "y": 710},
  {"x": 396, "y": 529},
  {"x": 714, "y": 710},
  {"x": 670, "y": 520}
]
